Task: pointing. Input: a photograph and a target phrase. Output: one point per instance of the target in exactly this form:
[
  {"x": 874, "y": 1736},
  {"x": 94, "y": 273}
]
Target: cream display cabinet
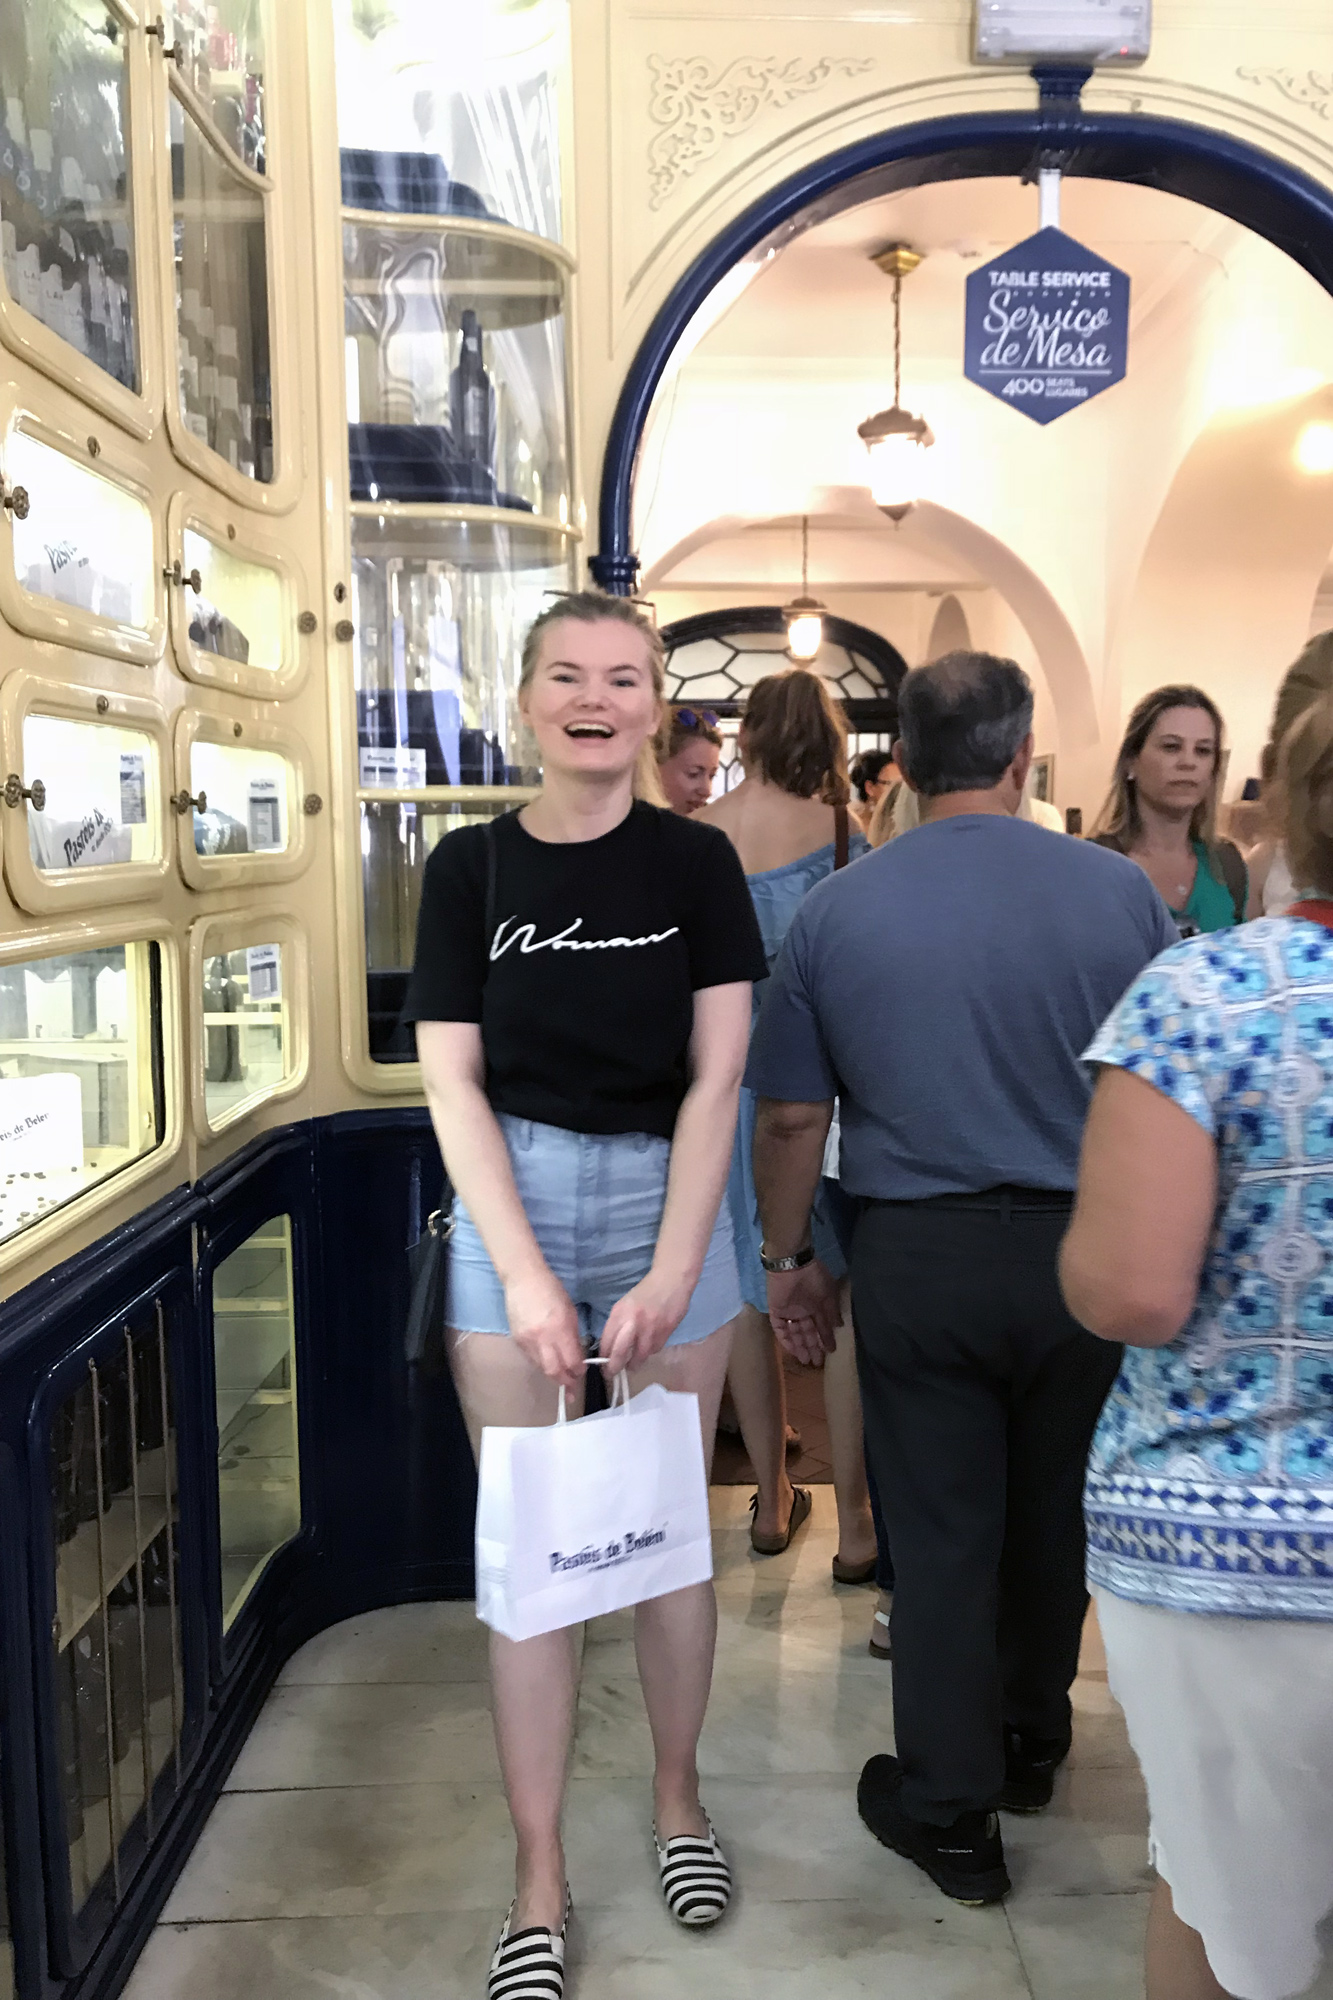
[{"x": 464, "y": 506}]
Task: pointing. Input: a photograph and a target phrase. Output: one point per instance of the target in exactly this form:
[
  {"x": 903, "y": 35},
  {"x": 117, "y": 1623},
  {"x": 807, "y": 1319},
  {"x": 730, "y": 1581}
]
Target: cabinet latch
[
  {"x": 182, "y": 578},
  {"x": 183, "y": 801},
  {"x": 176, "y": 53},
  {"x": 16, "y": 792},
  {"x": 16, "y": 502}
]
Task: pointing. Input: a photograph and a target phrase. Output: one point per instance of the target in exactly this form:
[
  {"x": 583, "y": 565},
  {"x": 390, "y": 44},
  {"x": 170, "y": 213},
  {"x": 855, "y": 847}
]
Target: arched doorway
[
  {"x": 714, "y": 658},
  {"x": 1229, "y": 175}
]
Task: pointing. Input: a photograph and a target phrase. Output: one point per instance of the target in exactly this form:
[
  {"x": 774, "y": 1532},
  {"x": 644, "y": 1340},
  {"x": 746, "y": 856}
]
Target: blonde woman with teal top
[{"x": 1161, "y": 810}]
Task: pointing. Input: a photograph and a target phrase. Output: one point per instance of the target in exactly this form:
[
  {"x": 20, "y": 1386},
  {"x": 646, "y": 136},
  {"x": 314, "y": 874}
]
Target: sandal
[
  {"x": 879, "y": 1637},
  {"x": 529, "y": 1964},
  {"x": 854, "y": 1572},
  {"x": 773, "y": 1545},
  {"x": 696, "y": 1881}
]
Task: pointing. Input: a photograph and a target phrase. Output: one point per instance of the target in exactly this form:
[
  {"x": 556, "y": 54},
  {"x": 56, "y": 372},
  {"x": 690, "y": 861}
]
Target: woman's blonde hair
[
  {"x": 1305, "y": 791},
  {"x": 1306, "y": 681},
  {"x": 675, "y": 732},
  {"x": 794, "y": 735},
  {"x": 1120, "y": 816},
  {"x": 594, "y": 607}
]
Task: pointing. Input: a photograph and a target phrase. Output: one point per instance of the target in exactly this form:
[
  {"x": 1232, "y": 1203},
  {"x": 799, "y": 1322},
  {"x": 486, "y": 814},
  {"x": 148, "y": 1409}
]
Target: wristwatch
[{"x": 795, "y": 1263}]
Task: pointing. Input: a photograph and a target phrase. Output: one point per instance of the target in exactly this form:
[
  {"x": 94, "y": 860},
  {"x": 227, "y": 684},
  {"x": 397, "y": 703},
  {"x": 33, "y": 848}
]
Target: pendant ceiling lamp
[
  {"x": 895, "y": 438},
  {"x": 804, "y": 616}
]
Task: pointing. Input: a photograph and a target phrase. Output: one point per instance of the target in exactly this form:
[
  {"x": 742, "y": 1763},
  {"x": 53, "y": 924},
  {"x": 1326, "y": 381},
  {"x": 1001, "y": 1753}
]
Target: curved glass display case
[{"x": 463, "y": 482}]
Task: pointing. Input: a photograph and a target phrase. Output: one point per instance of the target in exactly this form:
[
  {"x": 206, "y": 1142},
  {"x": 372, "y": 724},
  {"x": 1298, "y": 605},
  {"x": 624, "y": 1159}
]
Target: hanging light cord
[
  {"x": 897, "y": 340},
  {"x": 805, "y": 555}
]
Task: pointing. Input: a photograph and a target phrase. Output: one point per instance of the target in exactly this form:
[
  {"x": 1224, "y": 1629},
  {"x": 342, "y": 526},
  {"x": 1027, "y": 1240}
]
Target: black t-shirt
[{"x": 584, "y": 991}]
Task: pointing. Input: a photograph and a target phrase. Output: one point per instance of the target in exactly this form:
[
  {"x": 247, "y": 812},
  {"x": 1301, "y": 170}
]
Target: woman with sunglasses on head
[
  {"x": 689, "y": 748},
  {"x": 582, "y": 998},
  {"x": 874, "y": 777},
  {"x": 788, "y": 821}
]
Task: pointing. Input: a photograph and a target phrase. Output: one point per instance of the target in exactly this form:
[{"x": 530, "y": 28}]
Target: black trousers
[{"x": 980, "y": 1396}]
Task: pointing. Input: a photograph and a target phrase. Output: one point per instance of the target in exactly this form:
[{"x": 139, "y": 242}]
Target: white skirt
[{"x": 1232, "y": 1721}]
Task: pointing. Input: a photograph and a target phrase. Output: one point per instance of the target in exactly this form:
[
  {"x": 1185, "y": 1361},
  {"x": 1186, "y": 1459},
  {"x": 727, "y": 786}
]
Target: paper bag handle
[{"x": 619, "y": 1395}]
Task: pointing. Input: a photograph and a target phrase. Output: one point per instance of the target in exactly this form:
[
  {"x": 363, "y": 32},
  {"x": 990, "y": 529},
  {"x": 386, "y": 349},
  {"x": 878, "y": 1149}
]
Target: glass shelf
[
  {"x": 80, "y": 1074},
  {"x": 102, "y": 803},
  {"x": 457, "y": 384},
  {"x": 116, "y": 1630},
  {"x": 221, "y": 63},
  {"x": 66, "y": 220},
  {"x": 220, "y": 256},
  {"x": 247, "y": 1030},
  {"x": 254, "y": 1356},
  {"x": 452, "y": 106}
]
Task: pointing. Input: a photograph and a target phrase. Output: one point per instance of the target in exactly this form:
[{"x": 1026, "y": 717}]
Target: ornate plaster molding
[
  {"x": 1312, "y": 89},
  {"x": 698, "y": 104}
]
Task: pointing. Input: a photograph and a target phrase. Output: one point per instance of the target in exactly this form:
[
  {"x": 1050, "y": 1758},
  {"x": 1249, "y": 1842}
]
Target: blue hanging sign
[{"x": 1047, "y": 326}]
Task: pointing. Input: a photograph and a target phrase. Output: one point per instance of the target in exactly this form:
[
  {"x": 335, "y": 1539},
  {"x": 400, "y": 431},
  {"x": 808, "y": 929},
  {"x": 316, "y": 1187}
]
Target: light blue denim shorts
[{"x": 595, "y": 1203}]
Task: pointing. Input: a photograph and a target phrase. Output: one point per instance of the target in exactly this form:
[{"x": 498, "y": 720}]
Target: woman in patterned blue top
[{"x": 1203, "y": 1238}]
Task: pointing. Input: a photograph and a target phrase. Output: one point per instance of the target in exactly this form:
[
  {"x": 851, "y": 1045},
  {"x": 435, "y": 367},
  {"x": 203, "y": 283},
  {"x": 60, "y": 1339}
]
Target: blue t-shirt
[
  {"x": 1210, "y": 1486},
  {"x": 944, "y": 990}
]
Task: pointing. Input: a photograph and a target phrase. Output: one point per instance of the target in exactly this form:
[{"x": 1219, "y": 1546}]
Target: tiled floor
[{"x": 362, "y": 1852}]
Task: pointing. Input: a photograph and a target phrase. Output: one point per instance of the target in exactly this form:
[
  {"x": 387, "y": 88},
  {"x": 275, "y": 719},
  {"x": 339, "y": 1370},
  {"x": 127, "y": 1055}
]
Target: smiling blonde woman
[{"x": 582, "y": 999}]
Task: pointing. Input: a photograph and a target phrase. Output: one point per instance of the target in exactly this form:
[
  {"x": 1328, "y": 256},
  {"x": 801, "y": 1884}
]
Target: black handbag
[
  {"x": 428, "y": 1265},
  {"x": 428, "y": 1257}
]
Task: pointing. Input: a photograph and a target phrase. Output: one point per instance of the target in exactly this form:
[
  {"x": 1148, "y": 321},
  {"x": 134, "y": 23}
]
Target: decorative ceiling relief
[
  {"x": 1311, "y": 88},
  {"x": 699, "y": 103}
]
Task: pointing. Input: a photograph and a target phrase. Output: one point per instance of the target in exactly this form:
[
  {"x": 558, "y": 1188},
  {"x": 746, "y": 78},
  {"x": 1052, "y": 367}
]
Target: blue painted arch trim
[{"x": 1290, "y": 208}]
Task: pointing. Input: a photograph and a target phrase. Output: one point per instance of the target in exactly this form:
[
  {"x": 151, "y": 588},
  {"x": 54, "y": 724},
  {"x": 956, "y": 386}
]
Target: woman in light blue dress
[{"x": 788, "y": 821}]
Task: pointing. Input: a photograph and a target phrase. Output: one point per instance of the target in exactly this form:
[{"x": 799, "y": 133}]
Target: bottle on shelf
[{"x": 472, "y": 400}]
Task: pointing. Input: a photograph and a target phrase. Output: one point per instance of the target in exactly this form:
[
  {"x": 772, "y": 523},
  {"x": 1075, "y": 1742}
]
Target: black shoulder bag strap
[
  {"x": 1235, "y": 875},
  {"x": 428, "y": 1257}
]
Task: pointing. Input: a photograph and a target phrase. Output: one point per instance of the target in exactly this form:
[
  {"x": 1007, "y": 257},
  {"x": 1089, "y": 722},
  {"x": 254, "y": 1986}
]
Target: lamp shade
[
  {"x": 805, "y": 627},
  {"x": 896, "y": 442}
]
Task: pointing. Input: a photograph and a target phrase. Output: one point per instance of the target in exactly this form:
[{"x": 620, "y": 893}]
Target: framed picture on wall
[{"x": 1043, "y": 778}]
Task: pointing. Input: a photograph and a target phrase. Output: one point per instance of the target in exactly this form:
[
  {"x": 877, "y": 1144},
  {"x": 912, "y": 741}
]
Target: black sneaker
[
  {"x": 965, "y": 1860},
  {"x": 1030, "y": 1765}
]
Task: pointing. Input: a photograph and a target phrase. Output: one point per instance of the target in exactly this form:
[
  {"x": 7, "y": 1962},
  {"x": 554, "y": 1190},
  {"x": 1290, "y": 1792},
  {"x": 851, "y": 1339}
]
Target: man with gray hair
[{"x": 943, "y": 990}]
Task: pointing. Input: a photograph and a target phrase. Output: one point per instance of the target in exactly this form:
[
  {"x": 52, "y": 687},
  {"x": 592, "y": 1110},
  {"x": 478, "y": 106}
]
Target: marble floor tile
[
  {"x": 1080, "y": 1947},
  {"x": 1094, "y": 1838},
  {"x": 406, "y": 1642},
  {"x": 802, "y": 1951},
  {"x": 320, "y": 1958},
  {"x": 358, "y": 1733},
  {"x": 359, "y": 1851}
]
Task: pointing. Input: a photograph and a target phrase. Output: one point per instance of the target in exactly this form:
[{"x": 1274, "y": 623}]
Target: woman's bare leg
[
  {"x": 674, "y": 1636},
  {"x": 842, "y": 1408},
  {"x": 534, "y": 1682},
  {"x": 1176, "y": 1964},
  {"x": 759, "y": 1391}
]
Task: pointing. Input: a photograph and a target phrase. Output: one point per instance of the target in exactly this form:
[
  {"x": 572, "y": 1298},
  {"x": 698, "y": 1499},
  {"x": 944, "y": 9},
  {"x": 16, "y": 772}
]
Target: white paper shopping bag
[{"x": 587, "y": 1517}]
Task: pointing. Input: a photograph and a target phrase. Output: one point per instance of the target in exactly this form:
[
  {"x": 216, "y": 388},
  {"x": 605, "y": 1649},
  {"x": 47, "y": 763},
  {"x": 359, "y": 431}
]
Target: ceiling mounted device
[
  {"x": 1092, "y": 31},
  {"x": 804, "y": 616},
  {"x": 895, "y": 438}
]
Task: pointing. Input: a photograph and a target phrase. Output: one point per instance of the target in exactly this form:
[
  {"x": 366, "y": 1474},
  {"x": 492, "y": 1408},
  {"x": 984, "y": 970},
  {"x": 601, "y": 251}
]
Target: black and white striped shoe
[
  {"x": 696, "y": 1880},
  {"x": 529, "y": 1964}
]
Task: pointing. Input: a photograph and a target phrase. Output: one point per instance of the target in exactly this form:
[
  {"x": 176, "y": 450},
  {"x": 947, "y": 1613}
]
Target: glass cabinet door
[
  {"x": 456, "y": 372},
  {"x": 81, "y": 1079},
  {"x": 247, "y": 1041},
  {"x": 220, "y": 257},
  {"x": 220, "y": 59},
  {"x": 65, "y": 197},
  {"x": 87, "y": 544},
  {"x": 254, "y": 1360},
  {"x": 440, "y": 609},
  {"x": 116, "y": 1631},
  {"x": 237, "y": 613},
  {"x": 241, "y": 800},
  {"x": 101, "y": 786}
]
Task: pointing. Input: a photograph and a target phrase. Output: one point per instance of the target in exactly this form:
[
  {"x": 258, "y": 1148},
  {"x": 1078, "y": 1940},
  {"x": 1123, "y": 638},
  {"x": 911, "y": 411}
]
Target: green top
[{"x": 1210, "y": 907}]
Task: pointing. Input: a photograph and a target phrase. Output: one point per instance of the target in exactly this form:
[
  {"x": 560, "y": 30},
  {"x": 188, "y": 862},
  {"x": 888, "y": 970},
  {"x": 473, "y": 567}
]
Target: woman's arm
[
  {"x": 1147, "y": 1192},
  {"x": 542, "y": 1318},
  {"x": 642, "y": 1322}
]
